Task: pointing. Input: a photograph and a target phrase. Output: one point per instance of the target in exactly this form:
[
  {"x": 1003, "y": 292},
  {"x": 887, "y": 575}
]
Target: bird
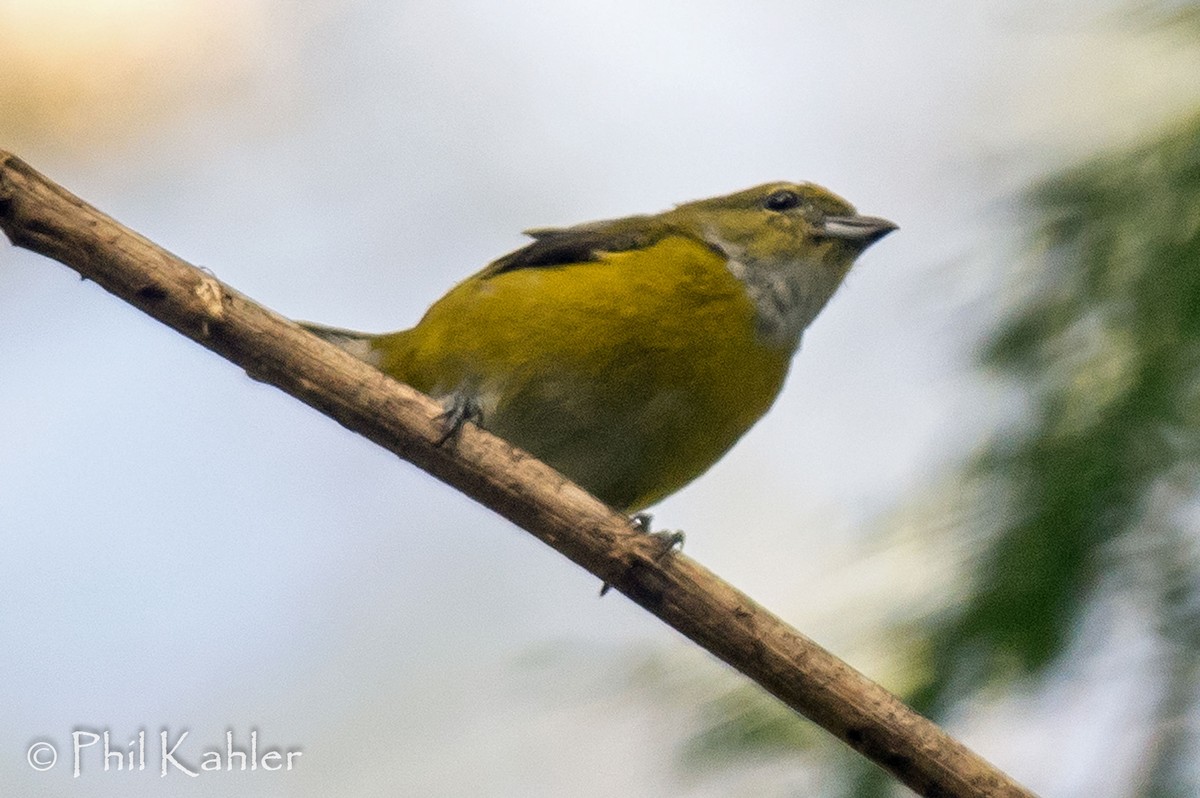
[{"x": 631, "y": 354}]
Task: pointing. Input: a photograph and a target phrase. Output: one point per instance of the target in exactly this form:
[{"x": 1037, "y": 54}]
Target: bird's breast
[{"x": 631, "y": 374}]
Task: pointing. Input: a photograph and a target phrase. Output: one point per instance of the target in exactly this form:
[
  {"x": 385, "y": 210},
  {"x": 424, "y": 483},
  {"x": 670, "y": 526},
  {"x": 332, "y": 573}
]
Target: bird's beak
[{"x": 860, "y": 230}]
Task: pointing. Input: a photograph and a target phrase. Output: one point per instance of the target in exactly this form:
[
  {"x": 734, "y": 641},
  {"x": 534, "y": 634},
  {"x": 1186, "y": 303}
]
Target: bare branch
[{"x": 41, "y": 216}]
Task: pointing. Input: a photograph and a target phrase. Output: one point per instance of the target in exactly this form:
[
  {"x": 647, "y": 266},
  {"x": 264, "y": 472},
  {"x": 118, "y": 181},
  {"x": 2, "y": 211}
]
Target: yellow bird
[{"x": 631, "y": 354}]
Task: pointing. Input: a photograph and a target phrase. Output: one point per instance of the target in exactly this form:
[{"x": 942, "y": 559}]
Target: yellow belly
[{"x": 630, "y": 375}]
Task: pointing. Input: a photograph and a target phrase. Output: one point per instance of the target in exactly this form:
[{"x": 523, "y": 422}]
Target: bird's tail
[{"x": 356, "y": 343}]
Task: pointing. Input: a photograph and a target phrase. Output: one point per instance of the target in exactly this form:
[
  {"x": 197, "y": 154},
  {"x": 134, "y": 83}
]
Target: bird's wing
[{"x": 560, "y": 246}]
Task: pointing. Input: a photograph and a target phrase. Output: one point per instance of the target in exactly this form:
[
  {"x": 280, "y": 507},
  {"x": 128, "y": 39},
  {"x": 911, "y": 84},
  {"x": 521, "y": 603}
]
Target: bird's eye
[{"x": 782, "y": 200}]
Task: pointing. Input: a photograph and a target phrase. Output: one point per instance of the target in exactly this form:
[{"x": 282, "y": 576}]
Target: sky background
[{"x": 185, "y": 548}]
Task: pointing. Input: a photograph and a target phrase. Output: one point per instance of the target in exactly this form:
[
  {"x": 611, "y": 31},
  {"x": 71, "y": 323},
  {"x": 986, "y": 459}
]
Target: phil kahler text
[{"x": 93, "y": 751}]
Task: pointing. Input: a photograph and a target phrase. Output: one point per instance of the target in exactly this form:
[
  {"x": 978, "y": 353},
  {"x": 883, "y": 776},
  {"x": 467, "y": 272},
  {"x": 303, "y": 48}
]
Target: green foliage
[{"x": 1108, "y": 347}]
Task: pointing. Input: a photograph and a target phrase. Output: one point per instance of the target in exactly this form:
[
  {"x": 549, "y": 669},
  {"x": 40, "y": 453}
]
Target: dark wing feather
[{"x": 560, "y": 246}]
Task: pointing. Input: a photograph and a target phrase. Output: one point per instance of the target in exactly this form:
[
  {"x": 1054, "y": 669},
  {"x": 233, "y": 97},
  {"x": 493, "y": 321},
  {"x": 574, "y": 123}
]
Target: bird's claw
[
  {"x": 669, "y": 540},
  {"x": 641, "y": 522},
  {"x": 460, "y": 408}
]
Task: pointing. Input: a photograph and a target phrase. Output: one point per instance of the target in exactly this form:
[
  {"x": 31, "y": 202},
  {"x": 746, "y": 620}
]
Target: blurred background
[{"x": 979, "y": 485}]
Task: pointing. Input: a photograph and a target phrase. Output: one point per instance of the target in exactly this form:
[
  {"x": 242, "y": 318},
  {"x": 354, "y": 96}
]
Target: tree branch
[{"x": 39, "y": 215}]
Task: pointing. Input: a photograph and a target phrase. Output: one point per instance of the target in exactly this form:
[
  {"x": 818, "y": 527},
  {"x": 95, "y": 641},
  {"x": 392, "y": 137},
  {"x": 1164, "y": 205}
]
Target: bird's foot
[
  {"x": 669, "y": 540},
  {"x": 460, "y": 408}
]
